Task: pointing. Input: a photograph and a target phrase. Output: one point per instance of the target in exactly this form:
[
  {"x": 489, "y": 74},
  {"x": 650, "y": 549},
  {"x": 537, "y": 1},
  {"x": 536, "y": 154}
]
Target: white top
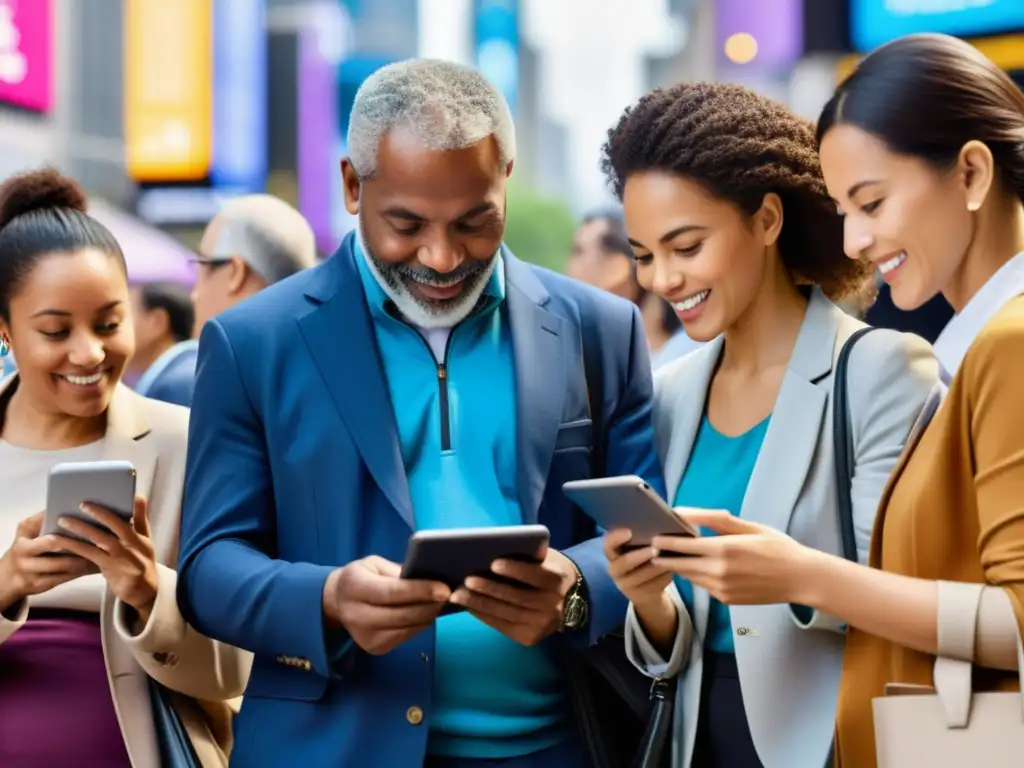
[
  {"x": 23, "y": 475},
  {"x": 678, "y": 345},
  {"x": 963, "y": 329},
  {"x": 437, "y": 338}
]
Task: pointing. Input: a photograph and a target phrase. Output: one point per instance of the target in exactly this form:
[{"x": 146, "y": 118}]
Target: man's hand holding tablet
[
  {"x": 507, "y": 577},
  {"x": 379, "y": 609}
]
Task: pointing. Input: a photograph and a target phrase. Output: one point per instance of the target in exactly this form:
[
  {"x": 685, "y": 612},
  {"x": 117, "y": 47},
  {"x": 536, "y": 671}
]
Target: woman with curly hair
[{"x": 730, "y": 221}]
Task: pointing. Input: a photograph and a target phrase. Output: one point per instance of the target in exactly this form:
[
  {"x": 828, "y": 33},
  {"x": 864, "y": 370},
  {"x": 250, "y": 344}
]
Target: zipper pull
[{"x": 441, "y": 372}]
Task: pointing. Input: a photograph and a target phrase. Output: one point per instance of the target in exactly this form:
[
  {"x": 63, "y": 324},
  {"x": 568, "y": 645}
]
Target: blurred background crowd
[{"x": 166, "y": 109}]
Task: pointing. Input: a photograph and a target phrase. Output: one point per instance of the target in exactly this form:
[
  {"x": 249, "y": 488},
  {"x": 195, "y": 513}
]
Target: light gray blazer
[{"x": 789, "y": 671}]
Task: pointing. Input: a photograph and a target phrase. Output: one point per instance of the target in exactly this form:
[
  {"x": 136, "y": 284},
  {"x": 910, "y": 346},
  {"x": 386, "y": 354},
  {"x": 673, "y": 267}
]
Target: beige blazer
[{"x": 208, "y": 676}]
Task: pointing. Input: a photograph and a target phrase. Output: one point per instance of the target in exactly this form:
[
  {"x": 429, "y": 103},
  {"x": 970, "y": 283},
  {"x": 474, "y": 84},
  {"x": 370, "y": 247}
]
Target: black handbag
[
  {"x": 634, "y": 713},
  {"x": 176, "y": 750}
]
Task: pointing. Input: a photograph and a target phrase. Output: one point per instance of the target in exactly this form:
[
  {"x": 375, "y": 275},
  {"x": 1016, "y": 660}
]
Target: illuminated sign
[
  {"x": 26, "y": 54},
  {"x": 874, "y": 22},
  {"x": 318, "y": 137},
  {"x": 1006, "y": 52},
  {"x": 239, "y": 95},
  {"x": 497, "y": 45},
  {"x": 168, "y": 101}
]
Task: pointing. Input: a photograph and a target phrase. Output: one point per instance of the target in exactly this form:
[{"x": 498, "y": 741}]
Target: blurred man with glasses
[{"x": 253, "y": 242}]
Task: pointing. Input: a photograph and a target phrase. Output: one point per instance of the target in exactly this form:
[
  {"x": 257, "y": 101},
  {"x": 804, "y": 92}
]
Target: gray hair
[
  {"x": 273, "y": 238},
  {"x": 443, "y": 104}
]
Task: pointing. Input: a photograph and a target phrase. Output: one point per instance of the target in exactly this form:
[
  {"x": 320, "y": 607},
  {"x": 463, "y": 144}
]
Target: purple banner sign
[{"x": 317, "y": 136}]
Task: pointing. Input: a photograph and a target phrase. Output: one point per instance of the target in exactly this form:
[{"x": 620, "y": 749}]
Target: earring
[
  {"x": 973, "y": 206},
  {"x": 4, "y": 349}
]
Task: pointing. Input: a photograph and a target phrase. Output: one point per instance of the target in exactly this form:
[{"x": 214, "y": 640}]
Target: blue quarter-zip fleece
[{"x": 492, "y": 697}]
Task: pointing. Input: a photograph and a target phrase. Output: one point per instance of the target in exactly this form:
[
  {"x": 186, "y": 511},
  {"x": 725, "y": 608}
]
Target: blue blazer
[
  {"x": 176, "y": 380},
  {"x": 294, "y": 469}
]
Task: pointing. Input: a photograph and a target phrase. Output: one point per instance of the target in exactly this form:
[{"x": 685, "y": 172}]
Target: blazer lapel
[
  {"x": 683, "y": 410},
  {"x": 127, "y": 425},
  {"x": 125, "y": 440},
  {"x": 338, "y": 332},
  {"x": 792, "y": 437},
  {"x": 539, "y": 346}
]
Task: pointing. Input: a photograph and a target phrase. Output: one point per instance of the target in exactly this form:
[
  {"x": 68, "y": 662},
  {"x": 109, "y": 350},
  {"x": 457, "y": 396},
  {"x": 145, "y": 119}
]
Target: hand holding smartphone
[{"x": 34, "y": 564}]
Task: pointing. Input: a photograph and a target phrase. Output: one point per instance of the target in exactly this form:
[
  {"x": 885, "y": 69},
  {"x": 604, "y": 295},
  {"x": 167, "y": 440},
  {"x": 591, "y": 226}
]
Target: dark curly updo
[
  {"x": 741, "y": 146},
  {"x": 43, "y": 212}
]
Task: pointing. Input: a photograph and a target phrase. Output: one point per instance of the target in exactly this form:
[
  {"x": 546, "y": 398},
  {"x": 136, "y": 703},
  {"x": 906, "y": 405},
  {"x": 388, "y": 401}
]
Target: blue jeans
[{"x": 568, "y": 754}]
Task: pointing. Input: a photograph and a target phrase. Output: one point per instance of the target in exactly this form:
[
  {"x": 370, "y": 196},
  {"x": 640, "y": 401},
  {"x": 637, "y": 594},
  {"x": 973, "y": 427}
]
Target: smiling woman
[
  {"x": 730, "y": 221},
  {"x": 76, "y": 614},
  {"x": 923, "y": 148},
  {"x": 722, "y": 192},
  {"x": 63, "y": 303}
]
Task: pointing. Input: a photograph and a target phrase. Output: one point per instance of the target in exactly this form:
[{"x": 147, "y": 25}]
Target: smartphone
[
  {"x": 627, "y": 502},
  {"x": 109, "y": 484},
  {"x": 451, "y": 556}
]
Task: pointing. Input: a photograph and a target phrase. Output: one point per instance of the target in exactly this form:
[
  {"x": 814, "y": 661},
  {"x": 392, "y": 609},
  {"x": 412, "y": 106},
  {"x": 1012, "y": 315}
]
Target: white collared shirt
[{"x": 960, "y": 332}]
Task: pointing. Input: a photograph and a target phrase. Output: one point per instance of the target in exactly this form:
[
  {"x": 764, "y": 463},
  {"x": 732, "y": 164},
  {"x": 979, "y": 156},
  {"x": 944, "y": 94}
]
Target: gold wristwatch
[{"x": 574, "y": 609}]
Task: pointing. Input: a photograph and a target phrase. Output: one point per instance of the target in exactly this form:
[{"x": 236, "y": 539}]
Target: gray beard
[{"x": 423, "y": 312}]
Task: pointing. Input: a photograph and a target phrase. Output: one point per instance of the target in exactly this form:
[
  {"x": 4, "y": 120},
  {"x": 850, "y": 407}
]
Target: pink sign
[{"x": 26, "y": 53}]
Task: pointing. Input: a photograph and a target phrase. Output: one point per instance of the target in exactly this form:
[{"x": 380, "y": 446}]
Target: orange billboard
[{"x": 168, "y": 89}]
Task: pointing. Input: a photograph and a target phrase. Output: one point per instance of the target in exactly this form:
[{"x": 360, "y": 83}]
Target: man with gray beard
[{"x": 422, "y": 378}]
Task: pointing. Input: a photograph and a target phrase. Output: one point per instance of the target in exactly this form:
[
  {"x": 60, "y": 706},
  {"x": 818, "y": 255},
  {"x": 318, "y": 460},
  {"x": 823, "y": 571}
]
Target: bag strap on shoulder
[
  {"x": 592, "y": 371},
  {"x": 842, "y": 439}
]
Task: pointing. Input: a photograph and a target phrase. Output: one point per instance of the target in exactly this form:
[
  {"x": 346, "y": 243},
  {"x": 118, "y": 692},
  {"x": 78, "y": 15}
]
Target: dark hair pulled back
[
  {"x": 926, "y": 96},
  {"x": 43, "y": 212},
  {"x": 740, "y": 146}
]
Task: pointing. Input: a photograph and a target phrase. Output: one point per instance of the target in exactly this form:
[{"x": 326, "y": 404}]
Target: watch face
[{"x": 575, "y": 612}]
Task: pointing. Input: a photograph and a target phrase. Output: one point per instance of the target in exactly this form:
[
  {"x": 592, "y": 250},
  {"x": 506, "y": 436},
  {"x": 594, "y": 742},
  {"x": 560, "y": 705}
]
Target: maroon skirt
[{"x": 55, "y": 703}]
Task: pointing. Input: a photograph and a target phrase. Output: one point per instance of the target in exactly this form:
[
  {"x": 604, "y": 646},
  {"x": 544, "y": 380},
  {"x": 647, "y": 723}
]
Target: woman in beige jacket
[{"x": 81, "y": 632}]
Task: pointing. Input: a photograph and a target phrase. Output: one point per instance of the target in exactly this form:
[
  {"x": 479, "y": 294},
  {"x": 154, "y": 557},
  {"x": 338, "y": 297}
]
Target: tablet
[
  {"x": 627, "y": 502},
  {"x": 451, "y": 556},
  {"x": 109, "y": 484}
]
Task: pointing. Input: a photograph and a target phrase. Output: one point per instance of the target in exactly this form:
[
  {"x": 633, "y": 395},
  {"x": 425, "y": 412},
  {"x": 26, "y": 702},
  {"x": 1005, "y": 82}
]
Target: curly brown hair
[{"x": 741, "y": 146}]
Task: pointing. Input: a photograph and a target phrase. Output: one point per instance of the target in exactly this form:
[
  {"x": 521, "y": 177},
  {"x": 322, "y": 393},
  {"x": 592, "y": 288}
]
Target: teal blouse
[{"x": 717, "y": 477}]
